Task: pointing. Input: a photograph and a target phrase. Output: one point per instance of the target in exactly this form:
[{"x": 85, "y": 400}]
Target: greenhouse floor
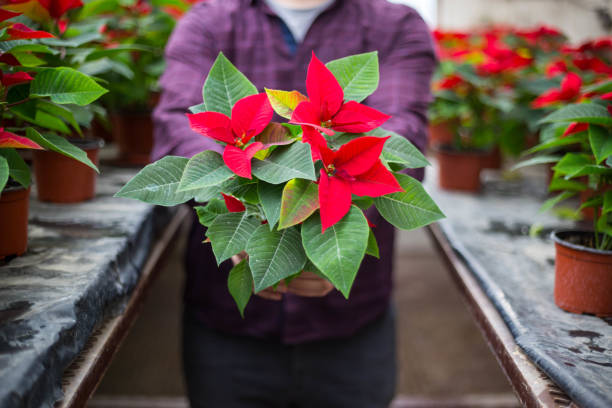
[{"x": 443, "y": 359}]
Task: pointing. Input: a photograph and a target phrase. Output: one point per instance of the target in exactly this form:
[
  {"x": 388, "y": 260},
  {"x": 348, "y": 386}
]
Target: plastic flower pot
[
  {"x": 14, "y": 204},
  {"x": 133, "y": 133},
  {"x": 583, "y": 275},
  {"x": 60, "y": 179},
  {"x": 492, "y": 159},
  {"x": 440, "y": 134},
  {"x": 459, "y": 170}
]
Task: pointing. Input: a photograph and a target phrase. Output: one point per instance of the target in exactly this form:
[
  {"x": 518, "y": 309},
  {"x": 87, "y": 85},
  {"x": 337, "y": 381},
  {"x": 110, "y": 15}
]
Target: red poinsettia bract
[
  {"x": 9, "y": 79},
  {"x": 8, "y": 139},
  {"x": 570, "y": 91},
  {"x": 233, "y": 204},
  {"x": 20, "y": 31},
  {"x": 355, "y": 168},
  {"x": 55, "y": 8},
  {"x": 250, "y": 116},
  {"x": 326, "y": 110}
]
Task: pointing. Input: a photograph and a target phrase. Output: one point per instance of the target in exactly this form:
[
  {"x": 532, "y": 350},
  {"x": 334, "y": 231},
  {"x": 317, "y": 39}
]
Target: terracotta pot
[
  {"x": 441, "y": 134},
  {"x": 583, "y": 275},
  {"x": 492, "y": 159},
  {"x": 14, "y": 204},
  {"x": 459, "y": 170},
  {"x": 133, "y": 133},
  {"x": 60, "y": 179}
]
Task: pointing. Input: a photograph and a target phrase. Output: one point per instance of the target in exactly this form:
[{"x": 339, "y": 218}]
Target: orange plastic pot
[
  {"x": 441, "y": 134},
  {"x": 583, "y": 275},
  {"x": 133, "y": 133},
  {"x": 60, "y": 179},
  {"x": 14, "y": 205},
  {"x": 459, "y": 170}
]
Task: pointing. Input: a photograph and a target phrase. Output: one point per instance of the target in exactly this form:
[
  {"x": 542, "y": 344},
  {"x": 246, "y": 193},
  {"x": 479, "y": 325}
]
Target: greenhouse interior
[{"x": 306, "y": 203}]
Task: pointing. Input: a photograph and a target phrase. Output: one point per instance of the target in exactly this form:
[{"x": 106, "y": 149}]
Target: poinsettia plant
[
  {"x": 579, "y": 147},
  {"x": 38, "y": 96},
  {"x": 292, "y": 195}
]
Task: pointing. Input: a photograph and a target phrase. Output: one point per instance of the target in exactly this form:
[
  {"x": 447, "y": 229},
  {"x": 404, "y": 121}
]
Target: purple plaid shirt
[{"x": 252, "y": 37}]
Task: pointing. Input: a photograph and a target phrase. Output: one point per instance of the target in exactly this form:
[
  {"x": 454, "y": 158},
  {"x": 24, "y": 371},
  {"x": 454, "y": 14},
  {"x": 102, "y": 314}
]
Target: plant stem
[{"x": 10, "y": 105}]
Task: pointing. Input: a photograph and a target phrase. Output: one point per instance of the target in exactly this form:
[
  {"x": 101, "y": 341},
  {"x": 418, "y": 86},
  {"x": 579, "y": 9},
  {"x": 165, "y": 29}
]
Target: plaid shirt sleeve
[
  {"x": 406, "y": 68},
  {"x": 189, "y": 56}
]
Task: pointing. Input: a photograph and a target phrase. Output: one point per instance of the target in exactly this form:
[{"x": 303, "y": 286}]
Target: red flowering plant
[
  {"x": 37, "y": 97},
  {"x": 578, "y": 146},
  {"x": 292, "y": 195}
]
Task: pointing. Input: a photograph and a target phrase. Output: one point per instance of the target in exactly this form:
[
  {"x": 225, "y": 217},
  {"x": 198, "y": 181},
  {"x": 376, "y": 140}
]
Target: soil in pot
[
  {"x": 133, "y": 133},
  {"x": 459, "y": 170},
  {"x": 583, "y": 275},
  {"x": 14, "y": 205},
  {"x": 60, "y": 179}
]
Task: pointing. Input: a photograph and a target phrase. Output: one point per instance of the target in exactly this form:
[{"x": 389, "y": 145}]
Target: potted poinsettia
[
  {"x": 583, "y": 266},
  {"x": 33, "y": 99},
  {"x": 291, "y": 196}
]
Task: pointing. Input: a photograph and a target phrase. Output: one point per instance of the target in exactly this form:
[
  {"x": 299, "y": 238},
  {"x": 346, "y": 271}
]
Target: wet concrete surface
[{"x": 441, "y": 352}]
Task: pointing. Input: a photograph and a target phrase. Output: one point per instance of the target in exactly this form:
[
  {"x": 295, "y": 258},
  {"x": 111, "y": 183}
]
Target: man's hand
[{"x": 307, "y": 284}]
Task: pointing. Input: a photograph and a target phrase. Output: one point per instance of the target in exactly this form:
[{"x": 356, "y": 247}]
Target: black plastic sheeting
[
  {"x": 81, "y": 264},
  {"x": 491, "y": 232}
]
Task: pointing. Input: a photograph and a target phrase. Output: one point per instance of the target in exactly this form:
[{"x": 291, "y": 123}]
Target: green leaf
[
  {"x": 74, "y": 41},
  {"x": 224, "y": 86},
  {"x": 363, "y": 202},
  {"x": 60, "y": 145},
  {"x": 207, "y": 193},
  {"x": 274, "y": 255},
  {"x": 208, "y": 213},
  {"x": 372, "y": 248},
  {"x": 21, "y": 46},
  {"x": 398, "y": 149},
  {"x": 18, "y": 169},
  {"x": 28, "y": 60},
  {"x": 65, "y": 85},
  {"x": 356, "y": 74},
  {"x": 536, "y": 160},
  {"x": 4, "y": 173},
  {"x": 551, "y": 202},
  {"x": 204, "y": 170},
  {"x": 300, "y": 199},
  {"x": 229, "y": 234},
  {"x": 601, "y": 142},
  {"x": 284, "y": 102},
  {"x": 59, "y": 112},
  {"x": 559, "y": 183},
  {"x": 607, "y": 202},
  {"x": 286, "y": 163},
  {"x": 198, "y": 108},
  {"x": 157, "y": 183},
  {"x": 240, "y": 285},
  {"x": 410, "y": 209},
  {"x": 583, "y": 113},
  {"x": 577, "y": 164},
  {"x": 598, "y": 88},
  {"x": 573, "y": 139},
  {"x": 275, "y": 134},
  {"x": 338, "y": 252},
  {"x": 270, "y": 196}
]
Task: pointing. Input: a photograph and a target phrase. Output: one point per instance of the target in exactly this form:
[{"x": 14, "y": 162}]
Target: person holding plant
[{"x": 300, "y": 344}]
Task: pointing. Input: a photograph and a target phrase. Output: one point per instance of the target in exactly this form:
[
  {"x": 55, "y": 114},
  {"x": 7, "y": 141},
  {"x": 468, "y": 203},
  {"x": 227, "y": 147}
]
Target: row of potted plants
[
  {"x": 494, "y": 86},
  {"x": 530, "y": 93},
  {"x": 69, "y": 70}
]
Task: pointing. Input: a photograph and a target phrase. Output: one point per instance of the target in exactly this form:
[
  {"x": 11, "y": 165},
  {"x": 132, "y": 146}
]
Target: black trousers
[{"x": 227, "y": 371}]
